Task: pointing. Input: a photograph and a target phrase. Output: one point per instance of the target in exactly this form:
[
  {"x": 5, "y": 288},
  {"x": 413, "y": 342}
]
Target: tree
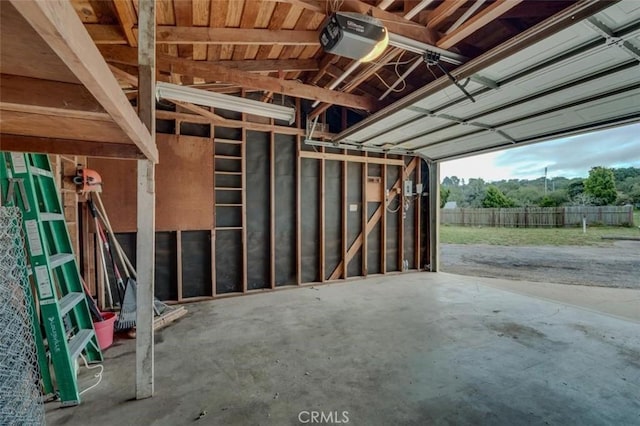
[
  {"x": 575, "y": 187},
  {"x": 601, "y": 186},
  {"x": 474, "y": 192},
  {"x": 495, "y": 198},
  {"x": 444, "y": 195}
]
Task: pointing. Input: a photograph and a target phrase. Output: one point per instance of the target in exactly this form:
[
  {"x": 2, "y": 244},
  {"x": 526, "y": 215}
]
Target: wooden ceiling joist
[
  {"x": 52, "y": 145},
  {"x": 491, "y": 13},
  {"x": 213, "y": 72},
  {"x": 442, "y": 12},
  {"x": 59, "y": 27},
  {"x": 112, "y": 34},
  {"x": 127, "y": 17}
]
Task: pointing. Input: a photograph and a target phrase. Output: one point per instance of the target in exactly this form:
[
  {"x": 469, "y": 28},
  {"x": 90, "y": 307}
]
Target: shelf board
[
  {"x": 227, "y": 205},
  {"x": 226, "y": 157},
  {"x": 228, "y": 173},
  {"x": 227, "y": 188},
  {"x": 229, "y": 228},
  {"x": 230, "y": 141}
]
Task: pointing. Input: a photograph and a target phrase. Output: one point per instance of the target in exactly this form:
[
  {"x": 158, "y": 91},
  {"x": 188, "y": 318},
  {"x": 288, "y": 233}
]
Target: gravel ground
[{"x": 616, "y": 266}]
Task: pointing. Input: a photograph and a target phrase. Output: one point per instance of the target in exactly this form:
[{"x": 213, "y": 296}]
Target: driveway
[{"x": 615, "y": 266}]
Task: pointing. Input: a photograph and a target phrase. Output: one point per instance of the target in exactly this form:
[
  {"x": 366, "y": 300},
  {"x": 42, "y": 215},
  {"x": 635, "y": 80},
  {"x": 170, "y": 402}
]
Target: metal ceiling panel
[{"x": 582, "y": 78}]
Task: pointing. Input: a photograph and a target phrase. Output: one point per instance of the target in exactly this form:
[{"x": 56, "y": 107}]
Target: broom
[{"x": 127, "y": 317}]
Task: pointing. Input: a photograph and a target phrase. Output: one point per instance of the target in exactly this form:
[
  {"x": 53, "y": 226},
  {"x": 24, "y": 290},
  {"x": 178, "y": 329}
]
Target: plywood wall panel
[{"x": 184, "y": 182}]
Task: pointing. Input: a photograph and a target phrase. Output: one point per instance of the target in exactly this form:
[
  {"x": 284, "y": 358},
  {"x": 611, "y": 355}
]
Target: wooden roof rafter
[{"x": 60, "y": 50}]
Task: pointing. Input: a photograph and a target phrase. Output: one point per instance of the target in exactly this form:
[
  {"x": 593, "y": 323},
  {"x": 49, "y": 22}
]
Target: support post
[
  {"x": 434, "y": 216},
  {"x": 145, "y": 253}
]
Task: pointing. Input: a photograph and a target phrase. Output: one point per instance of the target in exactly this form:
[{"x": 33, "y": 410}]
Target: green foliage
[
  {"x": 575, "y": 188},
  {"x": 444, "y": 195},
  {"x": 560, "y": 190},
  {"x": 496, "y": 199},
  {"x": 601, "y": 186}
]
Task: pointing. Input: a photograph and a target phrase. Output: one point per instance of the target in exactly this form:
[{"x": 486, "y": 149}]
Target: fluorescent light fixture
[{"x": 217, "y": 100}]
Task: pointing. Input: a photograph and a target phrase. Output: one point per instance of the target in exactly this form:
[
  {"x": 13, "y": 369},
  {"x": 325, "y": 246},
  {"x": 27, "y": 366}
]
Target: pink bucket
[{"x": 104, "y": 329}]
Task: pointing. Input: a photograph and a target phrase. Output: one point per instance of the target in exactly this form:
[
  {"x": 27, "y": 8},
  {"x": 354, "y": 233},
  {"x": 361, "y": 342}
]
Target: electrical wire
[
  {"x": 98, "y": 375},
  {"x": 404, "y": 84}
]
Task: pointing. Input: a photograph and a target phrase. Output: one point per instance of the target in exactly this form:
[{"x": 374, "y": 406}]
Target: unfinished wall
[{"x": 244, "y": 209}]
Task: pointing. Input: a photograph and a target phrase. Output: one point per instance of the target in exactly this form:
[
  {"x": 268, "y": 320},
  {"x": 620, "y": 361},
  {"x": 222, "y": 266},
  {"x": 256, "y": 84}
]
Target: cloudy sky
[{"x": 568, "y": 157}]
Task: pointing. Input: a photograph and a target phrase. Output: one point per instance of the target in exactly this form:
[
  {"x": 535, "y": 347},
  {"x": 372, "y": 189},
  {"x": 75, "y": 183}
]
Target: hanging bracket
[{"x": 433, "y": 58}]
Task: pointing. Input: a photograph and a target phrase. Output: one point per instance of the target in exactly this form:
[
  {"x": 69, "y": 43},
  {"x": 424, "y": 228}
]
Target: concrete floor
[{"x": 409, "y": 349}]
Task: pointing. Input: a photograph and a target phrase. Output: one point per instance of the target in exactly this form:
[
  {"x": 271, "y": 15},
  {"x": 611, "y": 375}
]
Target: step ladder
[{"x": 27, "y": 181}]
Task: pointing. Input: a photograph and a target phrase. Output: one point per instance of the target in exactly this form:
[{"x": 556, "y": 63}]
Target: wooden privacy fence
[{"x": 538, "y": 217}]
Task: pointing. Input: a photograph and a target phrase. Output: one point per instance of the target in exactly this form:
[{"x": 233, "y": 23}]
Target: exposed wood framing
[
  {"x": 298, "y": 210},
  {"x": 492, "y": 12},
  {"x": 128, "y": 56},
  {"x": 373, "y": 220},
  {"x": 442, "y": 12},
  {"x": 352, "y": 158},
  {"x": 213, "y": 257},
  {"x": 49, "y": 145},
  {"x": 365, "y": 220},
  {"x": 322, "y": 220},
  {"x": 345, "y": 214},
  {"x": 243, "y": 150},
  {"x": 383, "y": 239},
  {"x": 58, "y": 24},
  {"x": 211, "y": 71},
  {"x": 179, "y": 263},
  {"x": 127, "y": 16},
  {"x": 417, "y": 225},
  {"x": 145, "y": 240},
  {"x": 204, "y": 118},
  {"x": 236, "y": 36},
  {"x": 272, "y": 208},
  {"x": 434, "y": 216}
]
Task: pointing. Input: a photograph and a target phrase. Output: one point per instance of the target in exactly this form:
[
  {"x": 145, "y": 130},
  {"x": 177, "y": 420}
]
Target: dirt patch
[{"x": 616, "y": 266}]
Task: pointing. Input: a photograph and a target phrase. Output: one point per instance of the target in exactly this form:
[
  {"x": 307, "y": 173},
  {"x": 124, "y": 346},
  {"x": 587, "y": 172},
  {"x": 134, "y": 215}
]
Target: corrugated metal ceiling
[{"x": 582, "y": 78}]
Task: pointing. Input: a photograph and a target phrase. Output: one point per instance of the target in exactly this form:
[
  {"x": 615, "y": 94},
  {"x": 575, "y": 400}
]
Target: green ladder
[{"x": 27, "y": 181}]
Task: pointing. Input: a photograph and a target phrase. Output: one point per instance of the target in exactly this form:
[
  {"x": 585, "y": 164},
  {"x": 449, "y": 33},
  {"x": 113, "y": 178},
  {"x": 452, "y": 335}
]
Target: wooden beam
[
  {"x": 106, "y": 34},
  {"x": 383, "y": 226},
  {"x": 59, "y": 123},
  {"x": 364, "y": 214},
  {"x": 235, "y": 36},
  {"x": 492, "y": 12},
  {"x": 48, "y": 145},
  {"x": 127, "y": 17},
  {"x": 249, "y": 80},
  {"x": 322, "y": 220},
  {"x": 272, "y": 208},
  {"x": 124, "y": 76},
  {"x": 434, "y": 216},
  {"x": 442, "y": 12},
  {"x": 418, "y": 224},
  {"x": 145, "y": 239},
  {"x": 179, "y": 264},
  {"x": 128, "y": 56},
  {"x": 237, "y": 124},
  {"x": 58, "y": 24},
  {"x": 351, "y": 158},
  {"x": 298, "y": 209},
  {"x": 35, "y": 92}
]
